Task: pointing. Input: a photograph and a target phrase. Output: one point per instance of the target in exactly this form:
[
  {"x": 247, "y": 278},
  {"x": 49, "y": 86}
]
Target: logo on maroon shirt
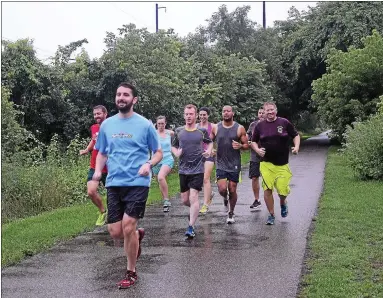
[{"x": 280, "y": 129}]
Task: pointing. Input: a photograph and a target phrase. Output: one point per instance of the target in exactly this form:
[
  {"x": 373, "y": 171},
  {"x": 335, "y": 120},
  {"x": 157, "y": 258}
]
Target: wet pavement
[{"x": 246, "y": 259}]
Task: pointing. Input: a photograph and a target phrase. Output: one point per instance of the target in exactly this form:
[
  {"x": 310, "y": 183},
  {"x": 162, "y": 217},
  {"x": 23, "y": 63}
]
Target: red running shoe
[{"x": 128, "y": 281}]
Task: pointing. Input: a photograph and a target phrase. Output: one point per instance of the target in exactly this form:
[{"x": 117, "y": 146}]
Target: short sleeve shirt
[
  {"x": 275, "y": 138},
  {"x": 191, "y": 141},
  {"x": 127, "y": 143}
]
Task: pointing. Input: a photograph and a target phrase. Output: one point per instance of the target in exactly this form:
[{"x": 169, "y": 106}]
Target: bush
[
  {"x": 57, "y": 181},
  {"x": 364, "y": 148}
]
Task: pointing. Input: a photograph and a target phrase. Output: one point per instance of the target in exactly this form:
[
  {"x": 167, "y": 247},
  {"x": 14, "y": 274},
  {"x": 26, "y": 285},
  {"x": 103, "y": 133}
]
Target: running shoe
[
  {"x": 128, "y": 281},
  {"x": 255, "y": 205},
  {"x": 270, "y": 220},
  {"x": 141, "y": 234},
  {"x": 284, "y": 210},
  {"x": 167, "y": 205},
  {"x": 101, "y": 220},
  {"x": 190, "y": 232},
  {"x": 230, "y": 218},
  {"x": 204, "y": 209}
]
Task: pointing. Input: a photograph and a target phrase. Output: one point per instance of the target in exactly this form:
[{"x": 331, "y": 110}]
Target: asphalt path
[{"x": 246, "y": 259}]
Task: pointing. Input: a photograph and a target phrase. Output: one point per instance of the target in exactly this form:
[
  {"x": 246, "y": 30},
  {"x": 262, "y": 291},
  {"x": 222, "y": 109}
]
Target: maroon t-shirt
[{"x": 274, "y": 137}]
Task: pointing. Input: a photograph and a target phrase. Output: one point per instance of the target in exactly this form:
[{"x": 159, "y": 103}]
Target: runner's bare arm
[
  {"x": 297, "y": 143},
  {"x": 156, "y": 157},
  {"x": 213, "y": 132},
  {"x": 213, "y": 129},
  {"x": 88, "y": 148},
  {"x": 175, "y": 146},
  {"x": 254, "y": 143},
  {"x": 244, "y": 138},
  {"x": 100, "y": 164}
]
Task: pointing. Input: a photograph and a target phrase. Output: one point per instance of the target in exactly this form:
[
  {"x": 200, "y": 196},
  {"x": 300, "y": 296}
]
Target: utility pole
[
  {"x": 264, "y": 14},
  {"x": 157, "y": 8}
]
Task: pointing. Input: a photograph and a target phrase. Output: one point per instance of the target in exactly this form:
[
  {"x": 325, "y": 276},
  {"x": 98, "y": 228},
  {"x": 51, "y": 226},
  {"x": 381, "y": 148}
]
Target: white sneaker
[{"x": 230, "y": 219}]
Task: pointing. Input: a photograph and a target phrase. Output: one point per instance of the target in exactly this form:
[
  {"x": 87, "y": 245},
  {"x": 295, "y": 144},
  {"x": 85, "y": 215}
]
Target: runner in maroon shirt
[
  {"x": 270, "y": 140},
  {"x": 99, "y": 113}
]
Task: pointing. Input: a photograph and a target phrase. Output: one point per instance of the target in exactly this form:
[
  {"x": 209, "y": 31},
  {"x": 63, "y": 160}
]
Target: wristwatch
[{"x": 149, "y": 162}]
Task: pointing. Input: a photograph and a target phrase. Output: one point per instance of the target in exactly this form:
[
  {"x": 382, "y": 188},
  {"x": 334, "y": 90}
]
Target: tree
[
  {"x": 14, "y": 138},
  {"x": 309, "y": 36},
  {"x": 350, "y": 89}
]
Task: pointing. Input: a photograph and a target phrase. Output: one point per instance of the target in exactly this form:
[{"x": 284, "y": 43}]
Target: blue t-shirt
[
  {"x": 127, "y": 143},
  {"x": 166, "y": 146}
]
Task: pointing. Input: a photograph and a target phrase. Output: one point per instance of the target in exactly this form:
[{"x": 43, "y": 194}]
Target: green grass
[
  {"x": 31, "y": 235},
  {"x": 346, "y": 248},
  {"x": 26, "y": 237}
]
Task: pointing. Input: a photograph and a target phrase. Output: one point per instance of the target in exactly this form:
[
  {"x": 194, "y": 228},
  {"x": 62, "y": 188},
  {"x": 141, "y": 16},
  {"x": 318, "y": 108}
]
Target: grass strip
[
  {"x": 31, "y": 235},
  {"x": 345, "y": 251}
]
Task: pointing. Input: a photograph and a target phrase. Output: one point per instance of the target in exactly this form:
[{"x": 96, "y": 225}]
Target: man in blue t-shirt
[{"x": 124, "y": 142}]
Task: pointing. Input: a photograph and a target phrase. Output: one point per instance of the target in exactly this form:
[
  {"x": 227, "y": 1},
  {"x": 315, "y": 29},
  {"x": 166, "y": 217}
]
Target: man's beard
[
  {"x": 228, "y": 119},
  {"x": 126, "y": 108}
]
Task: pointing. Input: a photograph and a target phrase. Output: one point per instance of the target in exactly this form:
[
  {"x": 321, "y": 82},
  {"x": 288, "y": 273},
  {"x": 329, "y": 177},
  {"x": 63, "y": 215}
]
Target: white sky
[{"x": 51, "y": 24}]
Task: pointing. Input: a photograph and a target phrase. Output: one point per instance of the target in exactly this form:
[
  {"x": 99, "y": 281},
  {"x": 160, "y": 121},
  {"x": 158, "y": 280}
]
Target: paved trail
[{"x": 247, "y": 259}]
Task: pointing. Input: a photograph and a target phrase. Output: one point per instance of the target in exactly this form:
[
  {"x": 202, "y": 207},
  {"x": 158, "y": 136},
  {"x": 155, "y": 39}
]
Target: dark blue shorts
[{"x": 231, "y": 176}]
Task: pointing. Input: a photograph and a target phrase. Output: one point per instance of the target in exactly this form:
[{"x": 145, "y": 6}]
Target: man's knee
[
  {"x": 115, "y": 231},
  {"x": 92, "y": 187},
  {"x": 185, "y": 197},
  {"x": 92, "y": 192},
  {"x": 129, "y": 227},
  {"x": 222, "y": 191}
]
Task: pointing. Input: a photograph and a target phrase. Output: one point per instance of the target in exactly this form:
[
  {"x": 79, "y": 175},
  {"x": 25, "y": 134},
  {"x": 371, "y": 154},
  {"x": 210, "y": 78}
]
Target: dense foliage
[
  {"x": 350, "y": 89},
  {"x": 363, "y": 146}
]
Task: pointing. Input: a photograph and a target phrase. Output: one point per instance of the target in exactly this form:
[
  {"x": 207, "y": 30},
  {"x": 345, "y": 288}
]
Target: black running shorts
[
  {"x": 254, "y": 169},
  {"x": 128, "y": 199},
  {"x": 194, "y": 181}
]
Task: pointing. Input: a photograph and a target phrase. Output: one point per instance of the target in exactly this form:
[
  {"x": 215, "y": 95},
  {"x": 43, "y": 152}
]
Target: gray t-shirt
[
  {"x": 191, "y": 142},
  {"x": 253, "y": 156}
]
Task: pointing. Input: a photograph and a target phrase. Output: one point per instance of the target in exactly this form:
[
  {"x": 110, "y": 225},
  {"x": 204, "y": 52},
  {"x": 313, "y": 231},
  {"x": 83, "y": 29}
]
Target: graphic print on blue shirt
[{"x": 127, "y": 143}]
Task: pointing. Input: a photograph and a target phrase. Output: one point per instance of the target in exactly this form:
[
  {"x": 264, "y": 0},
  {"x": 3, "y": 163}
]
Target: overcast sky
[{"x": 51, "y": 24}]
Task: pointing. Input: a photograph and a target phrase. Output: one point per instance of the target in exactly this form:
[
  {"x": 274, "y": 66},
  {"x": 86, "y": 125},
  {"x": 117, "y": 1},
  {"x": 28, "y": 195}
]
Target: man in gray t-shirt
[
  {"x": 254, "y": 172},
  {"x": 188, "y": 146}
]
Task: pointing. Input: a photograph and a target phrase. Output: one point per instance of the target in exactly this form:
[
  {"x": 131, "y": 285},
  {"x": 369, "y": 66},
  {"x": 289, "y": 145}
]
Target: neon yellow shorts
[{"x": 276, "y": 176}]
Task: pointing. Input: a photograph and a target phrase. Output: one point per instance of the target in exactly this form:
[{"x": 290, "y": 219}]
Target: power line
[{"x": 150, "y": 27}]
